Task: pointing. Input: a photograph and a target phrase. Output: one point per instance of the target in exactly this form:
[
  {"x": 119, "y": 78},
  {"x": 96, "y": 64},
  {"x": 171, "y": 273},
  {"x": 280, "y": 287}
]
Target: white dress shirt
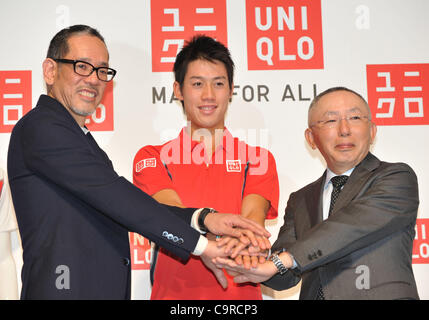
[{"x": 327, "y": 190}]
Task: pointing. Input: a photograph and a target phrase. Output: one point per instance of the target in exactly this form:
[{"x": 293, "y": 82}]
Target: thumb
[{"x": 220, "y": 276}]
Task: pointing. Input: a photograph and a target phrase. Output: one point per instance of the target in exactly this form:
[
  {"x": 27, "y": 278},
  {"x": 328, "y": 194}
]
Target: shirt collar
[
  {"x": 330, "y": 175},
  {"x": 85, "y": 130}
]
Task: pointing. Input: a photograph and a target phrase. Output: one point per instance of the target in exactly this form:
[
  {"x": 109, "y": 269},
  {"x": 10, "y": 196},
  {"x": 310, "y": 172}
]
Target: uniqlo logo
[
  {"x": 145, "y": 163},
  {"x": 102, "y": 118},
  {"x": 233, "y": 165},
  {"x": 141, "y": 252},
  {"x": 174, "y": 21},
  {"x": 284, "y": 34},
  {"x": 421, "y": 242},
  {"x": 15, "y": 97},
  {"x": 397, "y": 93}
]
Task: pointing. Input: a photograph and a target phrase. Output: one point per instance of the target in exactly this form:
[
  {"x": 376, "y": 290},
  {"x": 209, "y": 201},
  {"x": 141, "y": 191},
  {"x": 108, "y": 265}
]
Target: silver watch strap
[{"x": 278, "y": 263}]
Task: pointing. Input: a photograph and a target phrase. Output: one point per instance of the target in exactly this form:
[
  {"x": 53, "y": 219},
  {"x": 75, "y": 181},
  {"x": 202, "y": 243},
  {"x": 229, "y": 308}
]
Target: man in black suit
[
  {"x": 74, "y": 212},
  {"x": 350, "y": 237}
]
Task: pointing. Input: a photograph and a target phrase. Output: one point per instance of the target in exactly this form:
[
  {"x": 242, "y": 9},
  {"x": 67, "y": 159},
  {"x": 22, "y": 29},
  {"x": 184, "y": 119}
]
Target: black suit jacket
[
  {"x": 364, "y": 249},
  {"x": 74, "y": 212}
]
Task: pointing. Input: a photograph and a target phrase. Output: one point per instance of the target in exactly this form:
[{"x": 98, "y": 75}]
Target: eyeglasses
[
  {"x": 85, "y": 69},
  {"x": 333, "y": 121}
]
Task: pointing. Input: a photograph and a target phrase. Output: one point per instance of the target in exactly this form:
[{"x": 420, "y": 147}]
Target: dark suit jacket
[
  {"x": 364, "y": 249},
  {"x": 74, "y": 212}
]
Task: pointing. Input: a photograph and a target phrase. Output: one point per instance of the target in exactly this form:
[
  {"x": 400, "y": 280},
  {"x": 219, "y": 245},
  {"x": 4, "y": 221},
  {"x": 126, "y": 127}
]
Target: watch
[
  {"x": 278, "y": 262},
  {"x": 202, "y": 216}
]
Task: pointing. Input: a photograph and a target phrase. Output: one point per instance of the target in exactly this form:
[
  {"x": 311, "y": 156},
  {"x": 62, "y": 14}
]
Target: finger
[
  {"x": 254, "y": 250},
  {"x": 263, "y": 243},
  {"x": 247, "y": 262},
  {"x": 240, "y": 246},
  {"x": 252, "y": 226},
  {"x": 262, "y": 259},
  {"x": 250, "y": 236},
  {"x": 230, "y": 245},
  {"x": 254, "y": 261},
  {"x": 220, "y": 276},
  {"x": 224, "y": 263},
  {"x": 239, "y": 260},
  {"x": 267, "y": 243},
  {"x": 222, "y": 241}
]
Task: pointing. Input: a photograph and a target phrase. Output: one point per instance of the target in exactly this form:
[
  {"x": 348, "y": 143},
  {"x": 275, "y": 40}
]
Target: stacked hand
[{"x": 244, "y": 244}]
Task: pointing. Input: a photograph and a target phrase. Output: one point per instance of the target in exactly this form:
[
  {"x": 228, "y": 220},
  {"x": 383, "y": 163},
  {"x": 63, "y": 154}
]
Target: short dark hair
[
  {"x": 334, "y": 89},
  {"x": 206, "y": 48},
  {"x": 58, "y": 46}
]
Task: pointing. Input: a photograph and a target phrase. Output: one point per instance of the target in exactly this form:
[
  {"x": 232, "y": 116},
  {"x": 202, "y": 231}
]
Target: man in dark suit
[
  {"x": 350, "y": 237},
  {"x": 74, "y": 212}
]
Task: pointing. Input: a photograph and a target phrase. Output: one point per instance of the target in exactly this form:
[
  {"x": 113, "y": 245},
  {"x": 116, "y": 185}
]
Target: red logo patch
[
  {"x": 141, "y": 253},
  {"x": 174, "y": 21},
  {"x": 421, "y": 242},
  {"x": 145, "y": 163},
  {"x": 284, "y": 34},
  {"x": 397, "y": 92},
  {"x": 233, "y": 165},
  {"x": 15, "y": 97}
]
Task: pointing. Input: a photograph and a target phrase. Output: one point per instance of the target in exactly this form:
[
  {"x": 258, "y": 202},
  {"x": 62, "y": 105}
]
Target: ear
[
  {"x": 373, "y": 130},
  {"x": 177, "y": 90},
  {"x": 309, "y": 136},
  {"x": 49, "y": 71}
]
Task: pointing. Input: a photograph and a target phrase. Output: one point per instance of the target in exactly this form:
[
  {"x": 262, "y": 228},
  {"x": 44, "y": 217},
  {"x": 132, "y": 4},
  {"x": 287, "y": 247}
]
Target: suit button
[{"x": 126, "y": 261}]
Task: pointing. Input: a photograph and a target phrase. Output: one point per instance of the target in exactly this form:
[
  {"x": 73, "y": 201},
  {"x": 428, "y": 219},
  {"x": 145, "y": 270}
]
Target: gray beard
[{"x": 81, "y": 113}]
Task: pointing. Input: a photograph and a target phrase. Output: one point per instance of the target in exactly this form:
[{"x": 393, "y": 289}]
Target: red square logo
[
  {"x": 233, "y": 165},
  {"x": 15, "y": 97},
  {"x": 141, "y": 252},
  {"x": 102, "y": 118},
  {"x": 174, "y": 21},
  {"x": 421, "y": 242},
  {"x": 284, "y": 34},
  {"x": 397, "y": 93},
  {"x": 146, "y": 163}
]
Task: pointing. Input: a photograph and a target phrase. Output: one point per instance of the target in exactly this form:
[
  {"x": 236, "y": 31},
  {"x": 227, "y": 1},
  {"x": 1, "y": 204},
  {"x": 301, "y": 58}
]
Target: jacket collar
[
  {"x": 356, "y": 181},
  {"x": 359, "y": 176}
]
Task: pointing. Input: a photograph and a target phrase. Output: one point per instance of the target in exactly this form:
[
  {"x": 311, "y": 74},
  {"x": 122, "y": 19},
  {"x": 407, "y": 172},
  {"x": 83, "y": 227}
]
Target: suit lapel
[
  {"x": 314, "y": 201},
  {"x": 356, "y": 181},
  {"x": 97, "y": 150},
  {"x": 60, "y": 111}
]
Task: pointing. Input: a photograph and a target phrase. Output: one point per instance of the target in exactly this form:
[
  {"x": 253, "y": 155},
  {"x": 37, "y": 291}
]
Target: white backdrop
[{"x": 360, "y": 44}]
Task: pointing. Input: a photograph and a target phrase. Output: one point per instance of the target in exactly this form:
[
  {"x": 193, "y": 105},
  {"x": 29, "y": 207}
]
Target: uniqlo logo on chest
[
  {"x": 284, "y": 34},
  {"x": 421, "y": 242},
  {"x": 397, "y": 93},
  {"x": 15, "y": 97},
  {"x": 141, "y": 252},
  {"x": 174, "y": 21},
  {"x": 233, "y": 165},
  {"x": 145, "y": 163},
  {"x": 102, "y": 118}
]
